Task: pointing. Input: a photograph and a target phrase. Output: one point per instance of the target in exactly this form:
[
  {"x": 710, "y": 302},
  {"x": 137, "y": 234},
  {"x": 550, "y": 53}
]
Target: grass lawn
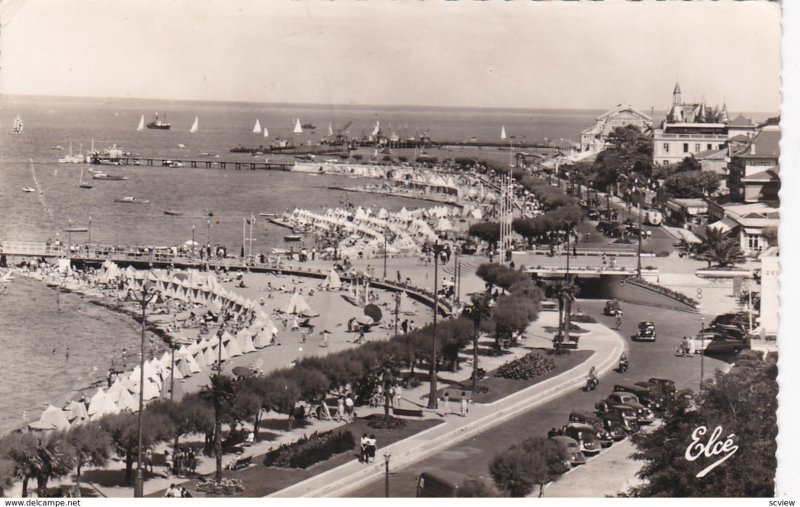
[
  {"x": 260, "y": 480},
  {"x": 501, "y": 387}
]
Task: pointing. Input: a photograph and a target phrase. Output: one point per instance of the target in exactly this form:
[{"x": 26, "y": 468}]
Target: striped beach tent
[{"x": 262, "y": 339}]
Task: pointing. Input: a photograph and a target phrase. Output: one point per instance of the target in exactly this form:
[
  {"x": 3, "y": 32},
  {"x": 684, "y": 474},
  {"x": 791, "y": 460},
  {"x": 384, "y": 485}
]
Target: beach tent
[
  {"x": 245, "y": 341},
  {"x": 76, "y": 412},
  {"x": 108, "y": 407},
  {"x": 190, "y": 361},
  {"x": 298, "y": 305},
  {"x": 262, "y": 338},
  {"x": 196, "y": 279},
  {"x": 54, "y": 417},
  {"x": 232, "y": 347},
  {"x": 115, "y": 390},
  {"x": 127, "y": 402},
  {"x": 332, "y": 281},
  {"x": 97, "y": 402},
  {"x": 209, "y": 355},
  {"x": 179, "y": 391},
  {"x": 151, "y": 390},
  {"x": 183, "y": 367}
]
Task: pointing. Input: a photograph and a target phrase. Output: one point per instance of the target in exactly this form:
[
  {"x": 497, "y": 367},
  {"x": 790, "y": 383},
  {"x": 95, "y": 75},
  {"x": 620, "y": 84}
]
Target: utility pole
[{"x": 433, "y": 400}]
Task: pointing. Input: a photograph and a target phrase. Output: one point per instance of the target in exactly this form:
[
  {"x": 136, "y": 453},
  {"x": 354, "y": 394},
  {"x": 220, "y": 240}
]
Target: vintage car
[
  {"x": 646, "y": 331},
  {"x": 438, "y": 483},
  {"x": 648, "y": 396},
  {"x": 572, "y": 449},
  {"x": 667, "y": 386},
  {"x": 622, "y": 416},
  {"x": 643, "y": 414},
  {"x": 607, "y": 430},
  {"x": 585, "y": 435}
]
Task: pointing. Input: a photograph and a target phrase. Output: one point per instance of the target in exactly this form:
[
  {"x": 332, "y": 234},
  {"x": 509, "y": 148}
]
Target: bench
[
  {"x": 239, "y": 464},
  {"x": 408, "y": 412}
]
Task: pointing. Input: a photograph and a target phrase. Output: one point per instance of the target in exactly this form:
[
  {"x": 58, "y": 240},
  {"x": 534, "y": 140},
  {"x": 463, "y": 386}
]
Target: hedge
[
  {"x": 310, "y": 450},
  {"x": 531, "y": 365}
]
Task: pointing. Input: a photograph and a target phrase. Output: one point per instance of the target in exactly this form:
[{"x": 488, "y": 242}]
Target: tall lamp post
[
  {"x": 192, "y": 240},
  {"x": 143, "y": 297},
  {"x": 433, "y": 401},
  {"x": 90, "y": 231},
  {"x": 702, "y": 350},
  {"x": 385, "y": 251},
  {"x": 640, "y": 195},
  {"x": 386, "y": 458}
]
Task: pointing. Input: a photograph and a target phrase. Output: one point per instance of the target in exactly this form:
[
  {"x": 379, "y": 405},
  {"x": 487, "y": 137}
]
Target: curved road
[{"x": 472, "y": 457}]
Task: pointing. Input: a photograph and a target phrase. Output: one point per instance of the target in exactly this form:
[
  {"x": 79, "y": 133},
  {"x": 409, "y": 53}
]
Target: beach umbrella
[
  {"x": 241, "y": 371},
  {"x": 374, "y": 312}
]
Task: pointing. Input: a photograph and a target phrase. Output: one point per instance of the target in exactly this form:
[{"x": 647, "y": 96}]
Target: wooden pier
[{"x": 194, "y": 163}]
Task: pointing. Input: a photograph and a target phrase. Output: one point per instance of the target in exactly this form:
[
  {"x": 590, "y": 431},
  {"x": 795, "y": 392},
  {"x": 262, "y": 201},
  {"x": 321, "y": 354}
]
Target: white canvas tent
[
  {"x": 97, "y": 402},
  {"x": 298, "y": 305},
  {"x": 52, "y": 418},
  {"x": 332, "y": 281},
  {"x": 76, "y": 412},
  {"x": 245, "y": 340},
  {"x": 127, "y": 401}
]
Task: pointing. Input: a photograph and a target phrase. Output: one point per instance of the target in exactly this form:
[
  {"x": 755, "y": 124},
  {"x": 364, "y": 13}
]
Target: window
[
  {"x": 697, "y": 148},
  {"x": 686, "y": 147},
  {"x": 754, "y": 242},
  {"x": 666, "y": 147},
  {"x": 708, "y": 146}
]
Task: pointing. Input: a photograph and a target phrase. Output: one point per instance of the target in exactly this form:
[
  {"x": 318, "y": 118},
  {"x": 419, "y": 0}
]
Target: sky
[{"x": 434, "y": 53}]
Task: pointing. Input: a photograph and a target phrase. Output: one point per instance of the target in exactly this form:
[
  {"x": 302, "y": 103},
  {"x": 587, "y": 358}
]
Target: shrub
[
  {"x": 531, "y": 365},
  {"x": 585, "y": 319},
  {"x": 477, "y": 488},
  {"x": 663, "y": 253},
  {"x": 310, "y": 450},
  {"x": 379, "y": 422},
  {"x": 226, "y": 487}
]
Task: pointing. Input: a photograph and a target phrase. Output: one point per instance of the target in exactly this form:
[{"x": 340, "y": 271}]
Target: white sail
[
  {"x": 257, "y": 127},
  {"x": 377, "y": 128},
  {"x": 330, "y": 129},
  {"x": 141, "y": 124},
  {"x": 195, "y": 126},
  {"x": 503, "y": 132},
  {"x": 266, "y": 132},
  {"x": 297, "y": 128}
]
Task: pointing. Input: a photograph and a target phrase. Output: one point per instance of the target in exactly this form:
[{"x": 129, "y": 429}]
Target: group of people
[
  {"x": 463, "y": 404},
  {"x": 184, "y": 461},
  {"x": 176, "y": 491},
  {"x": 379, "y": 397},
  {"x": 369, "y": 445}
]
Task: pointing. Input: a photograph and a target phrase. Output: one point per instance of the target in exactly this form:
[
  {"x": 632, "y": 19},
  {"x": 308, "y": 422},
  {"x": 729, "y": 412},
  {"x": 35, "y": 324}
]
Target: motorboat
[
  {"x": 159, "y": 124},
  {"x": 266, "y": 214},
  {"x": 131, "y": 200},
  {"x": 172, "y": 212},
  {"x": 77, "y": 229},
  {"x": 292, "y": 237},
  {"x": 109, "y": 177},
  {"x": 29, "y": 189}
]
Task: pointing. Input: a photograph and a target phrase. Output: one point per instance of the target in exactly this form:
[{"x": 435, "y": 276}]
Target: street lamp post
[
  {"x": 385, "y": 252},
  {"x": 386, "y": 460},
  {"x": 192, "y": 240},
  {"x": 143, "y": 298},
  {"x": 90, "y": 230},
  {"x": 702, "y": 350},
  {"x": 433, "y": 401},
  {"x": 69, "y": 240},
  {"x": 208, "y": 232},
  {"x": 639, "y": 249},
  {"x": 396, "y": 310}
]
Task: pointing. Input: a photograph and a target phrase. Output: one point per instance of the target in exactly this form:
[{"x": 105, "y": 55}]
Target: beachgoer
[
  {"x": 183, "y": 492},
  {"x": 447, "y": 409},
  {"x": 148, "y": 460},
  {"x": 324, "y": 342},
  {"x": 172, "y": 492},
  {"x": 364, "y": 457},
  {"x": 303, "y": 336},
  {"x": 398, "y": 395},
  {"x": 349, "y": 407},
  {"x": 464, "y": 406},
  {"x": 372, "y": 446}
]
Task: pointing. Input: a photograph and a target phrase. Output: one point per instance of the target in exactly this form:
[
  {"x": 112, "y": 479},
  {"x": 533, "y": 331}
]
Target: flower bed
[
  {"x": 529, "y": 366},
  {"x": 683, "y": 298},
  {"x": 310, "y": 450},
  {"x": 226, "y": 487}
]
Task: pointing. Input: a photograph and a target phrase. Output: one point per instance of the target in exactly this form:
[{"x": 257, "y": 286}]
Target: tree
[
  {"x": 222, "y": 395},
  {"x": 6, "y": 474},
  {"x": 631, "y": 152},
  {"x": 39, "y": 457},
  {"x": 486, "y": 231},
  {"x": 124, "y": 431},
  {"x": 191, "y": 414},
  {"x": 743, "y": 402},
  {"x": 89, "y": 444},
  {"x": 535, "y": 461},
  {"x": 511, "y": 316},
  {"x": 770, "y": 235},
  {"x": 477, "y": 488},
  {"x": 692, "y": 184},
  {"x": 720, "y": 249}
]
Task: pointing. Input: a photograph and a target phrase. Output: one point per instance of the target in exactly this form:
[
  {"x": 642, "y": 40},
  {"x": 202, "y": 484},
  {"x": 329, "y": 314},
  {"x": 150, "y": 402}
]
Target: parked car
[
  {"x": 647, "y": 397},
  {"x": 611, "y": 308},
  {"x": 646, "y": 331},
  {"x": 731, "y": 318},
  {"x": 622, "y": 415},
  {"x": 572, "y": 450},
  {"x": 593, "y": 214},
  {"x": 439, "y": 483},
  {"x": 667, "y": 385},
  {"x": 726, "y": 345},
  {"x": 607, "y": 430},
  {"x": 643, "y": 414},
  {"x": 585, "y": 435}
]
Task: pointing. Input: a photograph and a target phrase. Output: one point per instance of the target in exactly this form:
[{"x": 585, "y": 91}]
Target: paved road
[{"x": 473, "y": 456}]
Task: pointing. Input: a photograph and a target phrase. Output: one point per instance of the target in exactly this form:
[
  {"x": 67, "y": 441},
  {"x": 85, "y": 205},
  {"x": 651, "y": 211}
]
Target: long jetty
[{"x": 207, "y": 163}]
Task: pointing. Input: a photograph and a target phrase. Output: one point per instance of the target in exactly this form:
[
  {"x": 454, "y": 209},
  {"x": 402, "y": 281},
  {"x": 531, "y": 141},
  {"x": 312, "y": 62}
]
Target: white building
[{"x": 594, "y": 137}]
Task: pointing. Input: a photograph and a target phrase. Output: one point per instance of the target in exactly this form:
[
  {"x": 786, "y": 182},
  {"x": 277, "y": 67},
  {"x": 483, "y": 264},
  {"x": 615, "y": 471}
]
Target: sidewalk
[{"x": 607, "y": 345}]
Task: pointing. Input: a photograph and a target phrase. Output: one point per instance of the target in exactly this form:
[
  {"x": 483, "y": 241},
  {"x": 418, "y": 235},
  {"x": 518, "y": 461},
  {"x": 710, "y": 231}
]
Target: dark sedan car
[{"x": 646, "y": 332}]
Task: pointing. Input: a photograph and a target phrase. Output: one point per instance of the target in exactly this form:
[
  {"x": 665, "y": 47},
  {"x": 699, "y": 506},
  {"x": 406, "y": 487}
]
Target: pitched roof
[
  {"x": 767, "y": 144},
  {"x": 768, "y": 175},
  {"x": 741, "y": 121},
  {"x": 711, "y": 155}
]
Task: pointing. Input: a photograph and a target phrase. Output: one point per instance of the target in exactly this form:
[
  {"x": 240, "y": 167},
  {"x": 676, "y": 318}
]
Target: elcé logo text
[{"x": 713, "y": 446}]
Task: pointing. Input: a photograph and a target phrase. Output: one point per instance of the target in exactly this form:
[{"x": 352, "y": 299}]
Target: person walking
[
  {"x": 172, "y": 492},
  {"x": 372, "y": 447},
  {"x": 398, "y": 395},
  {"x": 464, "y": 406},
  {"x": 447, "y": 408},
  {"x": 349, "y": 407},
  {"x": 324, "y": 342},
  {"x": 364, "y": 457},
  {"x": 340, "y": 409}
]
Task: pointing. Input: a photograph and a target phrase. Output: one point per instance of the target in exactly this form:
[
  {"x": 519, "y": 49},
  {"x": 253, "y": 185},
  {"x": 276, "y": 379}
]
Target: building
[
  {"x": 770, "y": 304},
  {"x": 594, "y": 137},
  {"x": 692, "y": 128},
  {"x": 754, "y": 171},
  {"x": 746, "y": 222}
]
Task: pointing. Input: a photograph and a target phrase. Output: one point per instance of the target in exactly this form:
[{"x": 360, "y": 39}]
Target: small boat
[
  {"x": 29, "y": 189},
  {"x": 18, "y": 126},
  {"x": 309, "y": 126},
  {"x": 172, "y": 212},
  {"x": 266, "y": 132},
  {"x": 57, "y": 147},
  {"x": 292, "y": 237},
  {"x": 298, "y": 129},
  {"x": 131, "y": 200},
  {"x": 266, "y": 214},
  {"x": 204, "y": 154},
  {"x": 195, "y": 126},
  {"x": 141, "y": 124},
  {"x": 181, "y": 146},
  {"x": 257, "y": 127},
  {"x": 77, "y": 229},
  {"x": 109, "y": 177},
  {"x": 82, "y": 184},
  {"x": 158, "y": 124}
]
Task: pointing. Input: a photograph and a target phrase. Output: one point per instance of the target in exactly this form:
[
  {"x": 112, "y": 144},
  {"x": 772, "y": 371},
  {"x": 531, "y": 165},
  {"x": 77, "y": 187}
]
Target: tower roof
[{"x": 677, "y": 88}]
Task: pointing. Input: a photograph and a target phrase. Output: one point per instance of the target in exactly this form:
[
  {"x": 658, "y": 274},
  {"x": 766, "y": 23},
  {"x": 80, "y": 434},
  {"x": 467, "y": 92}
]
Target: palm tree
[
  {"x": 565, "y": 291},
  {"x": 720, "y": 249}
]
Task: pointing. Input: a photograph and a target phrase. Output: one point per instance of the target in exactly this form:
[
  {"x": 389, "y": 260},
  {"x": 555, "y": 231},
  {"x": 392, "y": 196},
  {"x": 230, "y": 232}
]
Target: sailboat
[
  {"x": 82, "y": 184},
  {"x": 71, "y": 159},
  {"x": 141, "y": 124},
  {"x": 257, "y": 127},
  {"x": 503, "y": 132},
  {"x": 195, "y": 125},
  {"x": 330, "y": 130},
  {"x": 266, "y": 132},
  {"x": 297, "y": 128},
  {"x": 18, "y": 126}
]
